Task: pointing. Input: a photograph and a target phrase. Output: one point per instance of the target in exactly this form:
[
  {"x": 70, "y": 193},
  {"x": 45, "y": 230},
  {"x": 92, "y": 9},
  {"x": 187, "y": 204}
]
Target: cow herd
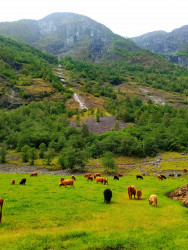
[
  {"x": 107, "y": 192},
  {"x": 132, "y": 192}
]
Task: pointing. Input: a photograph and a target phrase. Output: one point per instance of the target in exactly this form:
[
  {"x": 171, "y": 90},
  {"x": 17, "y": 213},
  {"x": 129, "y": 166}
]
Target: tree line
[{"x": 42, "y": 130}]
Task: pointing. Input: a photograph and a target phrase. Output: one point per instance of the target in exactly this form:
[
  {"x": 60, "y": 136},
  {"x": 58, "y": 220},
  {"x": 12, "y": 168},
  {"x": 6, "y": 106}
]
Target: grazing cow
[
  {"x": 131, "y": 191},
  {"x": 99, "y": 179},
  {"x": 62, "y": 179},
  {"x": 153, "y": 199},
  {"x": 185, "y": 170},
  {"x": 90, "y": 178},
  {"x": 23, "y": 181},
  {"x": 179, "y": 175},
  {"x": 116, "y": 177},
  {"x": 34, "y": 174},
  {"x": 105, "y": 181},
  {"x": 120, "y": 175},
  {"x": 88, "y": 174},
  {"x": 163, "y": 176},
  {"x": 139, "y": 193},
  {"x": 13, "y": 182},
  {"x": 66, "y": 183},
  {"x": 97, "y": 174},
  {"x": 73, "y": 177},
  {"x": 1, "y": 207},
  {"x": 159, "y": 177},
  {"x": 107, "y": 195},
  {"x": 139, "y": 177}
]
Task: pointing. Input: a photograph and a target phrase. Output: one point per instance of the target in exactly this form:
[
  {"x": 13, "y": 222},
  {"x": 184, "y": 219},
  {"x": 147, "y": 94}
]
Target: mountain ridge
[{"x": 172, "y": 45}]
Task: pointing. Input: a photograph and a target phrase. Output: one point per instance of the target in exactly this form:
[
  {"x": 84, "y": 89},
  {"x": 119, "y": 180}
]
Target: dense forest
[
  {"x": 21, "y": 63},
  {"x": 44, "y": 128},
  {"x": 158, "y": 75},
  {"x": 41, "y": 129}
]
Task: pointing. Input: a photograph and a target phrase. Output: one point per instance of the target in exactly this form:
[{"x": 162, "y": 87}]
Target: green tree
[
  {"x": 72, "y": 157},
  {"x": 84, "y": 130},
  {"x": 25, "y": 153},
  {"x": 49, "y": 155},
  {"x": 116, "y": 126},
  {"x": 32, "y": 155},
  {"x": 78, "y": 120},
  {"x": 42, "y": 150},
  {"x": 108, "y": 160},
  {"x": 166, "y": 120},
  {"x": 3, "y": 154}
]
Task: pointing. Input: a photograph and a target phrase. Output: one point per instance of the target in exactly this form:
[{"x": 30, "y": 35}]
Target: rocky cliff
[
  {"x": 173, "y": 45},
  {"x": 63, "y": 34}
]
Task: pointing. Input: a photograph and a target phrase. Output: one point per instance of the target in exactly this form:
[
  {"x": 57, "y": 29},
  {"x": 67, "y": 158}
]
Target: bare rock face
[
  {"x": 172, "y": 45},
  {"x": 66, "y": 34},
  {"x": 70, "y": 33},
  {"x": 181, "y": 194}
]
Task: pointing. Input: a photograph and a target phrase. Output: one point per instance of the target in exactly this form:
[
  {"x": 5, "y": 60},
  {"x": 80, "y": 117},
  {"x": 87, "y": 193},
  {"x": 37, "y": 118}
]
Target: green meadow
[{"x": 42, "y": 215}]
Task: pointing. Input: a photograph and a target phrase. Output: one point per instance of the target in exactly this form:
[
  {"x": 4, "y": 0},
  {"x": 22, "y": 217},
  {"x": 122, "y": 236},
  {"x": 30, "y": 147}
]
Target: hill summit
[{"x": 64, "y": 34}]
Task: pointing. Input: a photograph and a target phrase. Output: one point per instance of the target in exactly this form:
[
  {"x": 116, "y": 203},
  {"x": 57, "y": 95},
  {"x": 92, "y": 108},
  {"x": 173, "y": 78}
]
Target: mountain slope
[
  {"x": 173, "y": 45},
  {"x": 60, "y": 33},
  {"x": 109, "y": 58},
  {"x": 26, "y": 74}
]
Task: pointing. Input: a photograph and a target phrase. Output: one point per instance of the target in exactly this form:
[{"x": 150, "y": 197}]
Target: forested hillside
[
  {"x": 41, "y": 128},
  {"x": 26, "y": 73}
]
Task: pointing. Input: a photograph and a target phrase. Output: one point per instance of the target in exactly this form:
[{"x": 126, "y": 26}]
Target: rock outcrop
[{"x": 173, "y": 45}]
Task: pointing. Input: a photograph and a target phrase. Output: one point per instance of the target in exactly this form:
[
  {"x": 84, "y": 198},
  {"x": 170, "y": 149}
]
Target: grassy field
[{"x": 41, "y": 215}]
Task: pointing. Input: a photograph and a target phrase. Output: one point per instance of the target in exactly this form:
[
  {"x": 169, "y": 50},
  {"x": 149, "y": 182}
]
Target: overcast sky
[{"x": 127, "y": 18}]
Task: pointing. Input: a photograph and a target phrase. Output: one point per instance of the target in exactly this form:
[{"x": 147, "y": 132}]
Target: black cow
[
  {"x": 163, "y": 176},
  {"x": 23, "y": 181},
  {"x": 171, "y": 175},
  {"x": 116, "y": 177},
  {"x": 107, "y": 195},
  {"x": 139, "y": 177}
]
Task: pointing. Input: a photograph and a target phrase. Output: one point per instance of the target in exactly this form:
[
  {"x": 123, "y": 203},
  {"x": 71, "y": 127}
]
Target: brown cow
[
  {"x": 73, "y": 177},
  {"x": 159, "y": 177},
  {"x": 96, "y": 174},
  {"x": 1, "y": 207},
  {"x": 120, "y": 174},
  {"x": 34, "y": 174},
  {"x": 88, "y": 174},
  {"x": 90, "y": 178},
  {"x": 185, "y": 170},
  {"x": 62, "y": 179},
  {"x": 99, "y": 179},
  {"x": 13, "y": 182},
  {"x": 131, "y": 191},
  {"x": 66, "y": 183},
  {"x": 153, "y": 199},
  {"x": 105, "y": 181},
  {"x": 139, "y": 193}
]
